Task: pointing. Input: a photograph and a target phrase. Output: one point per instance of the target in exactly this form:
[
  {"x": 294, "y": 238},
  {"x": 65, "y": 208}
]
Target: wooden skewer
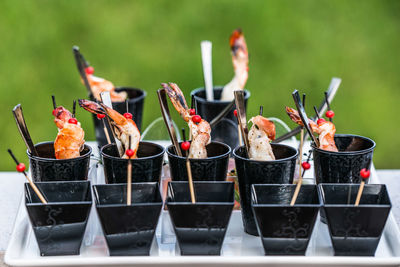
[
  {"x": 359, "y": 194},
  {"x": 300, "y": 180},
  {"x": 189, "y": 172},
  {"x": 73, "y": 108},
  {"x": 129, "y": 180},
  {"x": 34, "y": 187},
  {"x": 106, "y": 132}
]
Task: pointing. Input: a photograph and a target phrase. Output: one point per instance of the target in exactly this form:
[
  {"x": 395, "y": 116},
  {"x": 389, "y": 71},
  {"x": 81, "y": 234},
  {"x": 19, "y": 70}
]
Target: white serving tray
[{"x": 239, "y": 249}]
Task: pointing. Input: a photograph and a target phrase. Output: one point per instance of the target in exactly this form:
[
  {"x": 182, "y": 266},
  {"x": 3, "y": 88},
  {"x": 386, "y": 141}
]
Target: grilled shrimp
[
  {"x": 99, "y": 85},
  {"x": 325, "y": 129},
  {"x": 70, "y": 138},
  {"x": 200, "y": 131},
  {"x": 123, "y": 127},
  {"x": 240, "y": 60},
  {"x": 260, "y": 134}
]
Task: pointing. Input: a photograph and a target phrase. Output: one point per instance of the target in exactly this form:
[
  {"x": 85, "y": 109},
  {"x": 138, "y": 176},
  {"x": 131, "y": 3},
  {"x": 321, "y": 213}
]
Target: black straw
[
  {"x": 54, "y": 101},
  {"x": 316, "y": 112},
  {"x": 261, "y": 110},
  {"x": 304, "y": 100},
  {"x": 73, "y": 109}
]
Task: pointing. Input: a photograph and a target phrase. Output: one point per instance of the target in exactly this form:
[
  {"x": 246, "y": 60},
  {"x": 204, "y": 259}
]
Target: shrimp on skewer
[
  {"x": 325, "y": 129},
  {"x": 122, "y": 126},
  {"x": 200, "y": 131},
  {"x": 240, "y": 60},
  {"x": 261, "y": 133},
  {"x": 99, "y": 85},
  {"x": 70, "y": 138}
]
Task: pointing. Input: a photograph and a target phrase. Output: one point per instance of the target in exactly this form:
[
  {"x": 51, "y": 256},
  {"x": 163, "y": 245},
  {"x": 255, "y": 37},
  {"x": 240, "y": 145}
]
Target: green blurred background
[{"x": 292, "y": 44}]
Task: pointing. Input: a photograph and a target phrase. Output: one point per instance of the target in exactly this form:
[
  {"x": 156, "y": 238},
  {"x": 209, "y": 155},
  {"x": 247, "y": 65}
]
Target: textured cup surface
[
  {"x": 226, "y": 130},
  {"x": 47, "y": 168},
  {"x": 355, "y": 153},
  {"x": 145, "y": 168},
  {"x": 132, "y": 233},
  {"x": 213, "y": 168},
  {"x": 285, "y": 229},
  {"x": 60, "y": 224},
  {"x": 279, "y": 171},
  {"x": 355, "y": 231},
  {"x": 200, "y": 228},
  {"x": 135, "y": 104}
]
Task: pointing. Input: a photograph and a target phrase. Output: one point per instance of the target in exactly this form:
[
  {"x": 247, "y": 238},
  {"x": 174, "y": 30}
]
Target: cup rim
[
  {"x": 98, "y": 205},
  {"x": 321, "y": 196},
  {"x": 235, "y": 155},
  {"x": 367, "y": 150},
  {"x": 85, "y": 202},
  {"x": 198, "y": 160},
  {"x": 136, "y": 159},
  {"x": 199, "y": 89},
  {"x": 126, "y": 88},
  {"x": 284, "y": 205},
  {"x": 84, "y": 156}
]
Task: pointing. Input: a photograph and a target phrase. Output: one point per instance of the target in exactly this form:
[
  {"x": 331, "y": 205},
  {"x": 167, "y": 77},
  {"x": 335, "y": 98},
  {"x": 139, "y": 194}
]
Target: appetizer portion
[
  {"x": 200, "y": 130},
  {"x": 240, "y": 60},
  {"x": 123, "y": 126},
  {"x": 261, "y": 133},
  {"x": 70, "y": 138},
  {"x": 325, "y": 129}
]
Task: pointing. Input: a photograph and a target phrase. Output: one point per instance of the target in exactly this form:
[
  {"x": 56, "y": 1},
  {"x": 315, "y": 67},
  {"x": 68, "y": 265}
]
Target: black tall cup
[
  {"x": 46, "y": 167},
  {"x": 135, "y": 105},
  {"x": 278, "y": 171},
  {"x": 355, "y": 153},
  {"x": 145, "y": 168},
  {"x": 226, "y": 130},
  {"x": 212, "y": 168}
]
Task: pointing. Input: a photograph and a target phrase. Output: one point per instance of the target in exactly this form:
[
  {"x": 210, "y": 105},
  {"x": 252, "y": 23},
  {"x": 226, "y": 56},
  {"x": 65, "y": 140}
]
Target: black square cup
[
  {"x": 59, "y": 225},
  {"x": 278, "y": 171},
  {"x": 46, "y": 168},
  {"x": 355, "y": 231},
  {"x": 285, "y": 229},
  {"x": 212, "y": 168},
  {"x": 128, "y": 229},
  {"x": 145, "y": 168},
  {"x": 135, "y": 104},
  {"x": 200, "y": 228},
  {"x": 224, "y": 131}
]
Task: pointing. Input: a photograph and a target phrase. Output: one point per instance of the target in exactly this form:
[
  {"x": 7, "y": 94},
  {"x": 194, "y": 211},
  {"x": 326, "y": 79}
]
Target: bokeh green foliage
[{"x": 293, "y": 44}]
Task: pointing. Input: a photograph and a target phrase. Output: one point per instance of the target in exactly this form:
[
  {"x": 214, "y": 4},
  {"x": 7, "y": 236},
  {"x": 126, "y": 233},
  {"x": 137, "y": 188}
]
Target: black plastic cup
[
  {"x": 135, "y": 103},
  {"x": 200, "y": 228},
  {"x": 60, "y": 224},
  {"x": 355, "y": 153},
  {"x": 355, "y": 231},
  {"x": 226, "y": 130},
  {"x": 146, "y": 168},
  {"x": 213, "y": 168},
  {"x": 279, "y": 171},
  {"x": 133, "y": 232},
  {"x": 285, "y": 229},
  {"x": 46, "y": 168}
]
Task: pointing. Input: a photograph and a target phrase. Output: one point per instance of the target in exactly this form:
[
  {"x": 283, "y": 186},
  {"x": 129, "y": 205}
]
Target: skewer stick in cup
[
  {"x": 238, "y": 129},
  {"x": 129, "y": 152},
  {"x": 300, "y": 180},
  {"x": 185, "y": 146},
  {"x": 329, "y": 113},
  {"x": 364, "y": 173},
  {"x": 21, "y": 168},
  {"x": 73, "y": 109}
]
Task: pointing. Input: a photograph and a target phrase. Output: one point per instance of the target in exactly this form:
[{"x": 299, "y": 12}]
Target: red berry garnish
[
  {"x": 54, "y": 112},
  {"x": 100, "y": 116},
  {"x": 185, "y": 145},
  {"x": 192, "y": 112},
  {"x": 330, "y": 114},
  {"x": 89, "y": 70},
  {"x": 196, "y": 119},
  {"x": 319, "y": 121},
  {"x": 364, "y": 173},
  {"x": 235, "y": 113},
  {"x": 306, "y": 165},
  {"x": 129, "y": 152},
  {"x": 21, "y": 167},
  {"x": 73, "y": 121},
  {"x": 128, "y": 115}
]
